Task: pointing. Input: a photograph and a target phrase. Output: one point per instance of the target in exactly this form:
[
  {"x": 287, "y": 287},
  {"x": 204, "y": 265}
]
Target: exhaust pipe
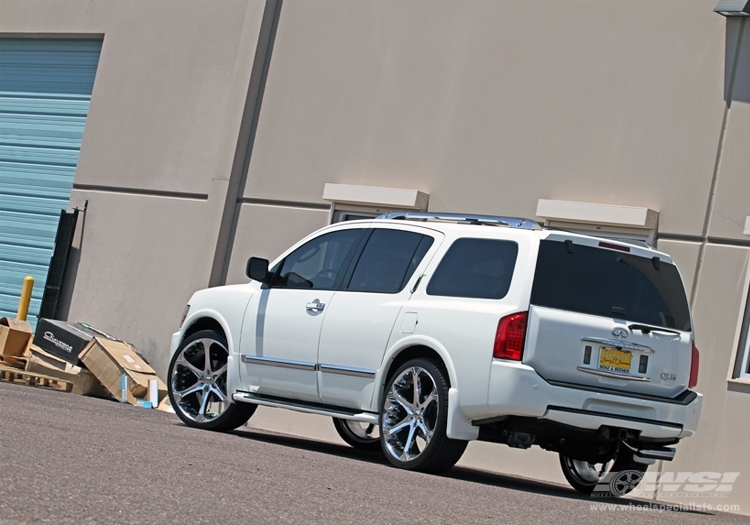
[{"x": 660, "y": 453}]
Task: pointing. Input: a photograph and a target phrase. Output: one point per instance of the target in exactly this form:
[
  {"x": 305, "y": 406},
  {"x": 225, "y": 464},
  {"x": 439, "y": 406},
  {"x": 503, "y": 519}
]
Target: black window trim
[
  {"x": 357, "y": 247},
  {"x": 349, "y": 274},
  {"x": 472, "y": 298}
]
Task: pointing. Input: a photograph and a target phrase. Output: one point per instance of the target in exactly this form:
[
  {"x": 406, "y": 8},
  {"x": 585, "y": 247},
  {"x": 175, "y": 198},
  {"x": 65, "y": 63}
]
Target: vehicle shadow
[{"x": 469, "y": 475}]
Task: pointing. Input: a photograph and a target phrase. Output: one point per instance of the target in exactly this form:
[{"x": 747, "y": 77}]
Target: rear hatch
[{"x": 609, "y": 315}]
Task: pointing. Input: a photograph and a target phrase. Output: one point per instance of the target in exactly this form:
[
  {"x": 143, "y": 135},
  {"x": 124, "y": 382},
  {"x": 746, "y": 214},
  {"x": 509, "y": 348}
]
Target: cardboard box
[
  {"x": 64, "y": 340},
  {"x": 84, "y": 382},
  {"x": 15, "y": 338},
  {"x": 110, "y": 360}
]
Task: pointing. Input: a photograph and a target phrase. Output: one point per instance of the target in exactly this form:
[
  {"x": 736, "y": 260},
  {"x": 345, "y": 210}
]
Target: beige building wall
[{"x": 487, "y": 106}]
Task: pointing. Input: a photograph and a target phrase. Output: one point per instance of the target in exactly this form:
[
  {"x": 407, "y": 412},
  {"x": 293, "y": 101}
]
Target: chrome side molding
[{"x": 282, "y": 363}]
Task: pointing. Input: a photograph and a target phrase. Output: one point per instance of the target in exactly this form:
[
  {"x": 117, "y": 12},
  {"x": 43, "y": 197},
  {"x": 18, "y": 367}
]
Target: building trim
[{"x": 138, "y": 191}]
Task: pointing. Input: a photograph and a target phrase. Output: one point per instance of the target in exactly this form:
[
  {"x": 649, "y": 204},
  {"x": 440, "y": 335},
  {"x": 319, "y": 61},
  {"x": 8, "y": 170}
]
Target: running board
[{"x": 321, "y": 410}]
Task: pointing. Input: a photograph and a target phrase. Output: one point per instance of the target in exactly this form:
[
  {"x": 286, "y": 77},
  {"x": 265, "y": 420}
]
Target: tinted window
[
  {"x": 609, "y": 284},
  {"x": 317, "y": 263},
  {"x": 388, "y": 261},
  {"x": 480, "y": 268}
]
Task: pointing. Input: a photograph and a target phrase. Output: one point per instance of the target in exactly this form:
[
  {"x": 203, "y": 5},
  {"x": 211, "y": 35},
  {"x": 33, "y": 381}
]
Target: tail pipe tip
[{"x": 660, "y": 453}]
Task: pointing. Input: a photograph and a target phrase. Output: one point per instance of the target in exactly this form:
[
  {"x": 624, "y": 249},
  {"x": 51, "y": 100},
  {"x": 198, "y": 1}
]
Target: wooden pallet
[
  {"x": 14, "y": 375},
  {"x": 13, "y": 361}
]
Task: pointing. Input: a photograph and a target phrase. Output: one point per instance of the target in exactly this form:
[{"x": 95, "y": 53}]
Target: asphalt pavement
[{"x": 72, "y": 459}]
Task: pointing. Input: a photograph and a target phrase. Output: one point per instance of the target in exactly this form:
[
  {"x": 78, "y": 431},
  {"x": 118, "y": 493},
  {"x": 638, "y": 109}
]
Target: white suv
[{"x": 418, "y": 332}]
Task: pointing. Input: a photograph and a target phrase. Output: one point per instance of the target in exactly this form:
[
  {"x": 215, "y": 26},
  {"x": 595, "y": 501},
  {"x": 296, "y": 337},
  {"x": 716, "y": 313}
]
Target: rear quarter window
[
  {"x": 609, "y": 284},
  {"x": 475, "y": 268}
]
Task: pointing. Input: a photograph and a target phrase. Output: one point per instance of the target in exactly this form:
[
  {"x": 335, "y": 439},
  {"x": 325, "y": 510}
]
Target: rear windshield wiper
[{"x": 645, "y": 328}]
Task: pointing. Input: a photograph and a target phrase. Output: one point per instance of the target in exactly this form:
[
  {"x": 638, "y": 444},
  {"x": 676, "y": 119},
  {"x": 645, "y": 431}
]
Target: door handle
[{"x": 315, "y": 306}]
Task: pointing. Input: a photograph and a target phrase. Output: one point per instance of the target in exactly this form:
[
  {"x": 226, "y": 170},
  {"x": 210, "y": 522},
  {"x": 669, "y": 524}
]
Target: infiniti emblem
[{"x": 620, "y": 333}]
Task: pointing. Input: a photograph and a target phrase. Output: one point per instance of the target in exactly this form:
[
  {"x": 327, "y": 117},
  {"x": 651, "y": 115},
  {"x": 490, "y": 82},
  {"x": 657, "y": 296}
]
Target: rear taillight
[
  {"x": 510, "y": 337},
  {"x": 694, "y": 362}
]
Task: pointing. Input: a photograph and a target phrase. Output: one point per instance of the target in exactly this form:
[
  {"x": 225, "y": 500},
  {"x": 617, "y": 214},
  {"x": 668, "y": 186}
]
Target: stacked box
[
  {"x": 15, "y": 338},
  {"x": 83, "y": 381},
  {"x": 111, "y": 361},
  {"x": 65, "y": 340}
]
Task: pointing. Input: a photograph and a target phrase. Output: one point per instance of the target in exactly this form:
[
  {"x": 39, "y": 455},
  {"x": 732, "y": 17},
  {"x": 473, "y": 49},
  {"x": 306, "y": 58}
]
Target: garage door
[{"x": 45, "y": 90}]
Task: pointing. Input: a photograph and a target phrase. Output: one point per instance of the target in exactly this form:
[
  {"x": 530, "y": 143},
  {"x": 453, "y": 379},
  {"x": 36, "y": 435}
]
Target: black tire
[
  {"x": 197, "y": 384},
  {"x": 361, "y": 436},
  {"x": 412, "y": 431},
  {"x": 608, "y": 480}
]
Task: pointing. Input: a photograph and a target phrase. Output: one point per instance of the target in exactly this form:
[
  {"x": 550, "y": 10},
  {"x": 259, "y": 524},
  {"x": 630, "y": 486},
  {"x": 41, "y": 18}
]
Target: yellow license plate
[{"x": 615, "y": 360}]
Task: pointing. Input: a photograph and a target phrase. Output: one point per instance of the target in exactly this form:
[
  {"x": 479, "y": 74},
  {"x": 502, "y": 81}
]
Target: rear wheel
[
  {"x": 414, "y": 418},
  {"x": 198, "y": 384},
  {"x": 614, "y": 478},
  {"x": 362, "y": 436}
]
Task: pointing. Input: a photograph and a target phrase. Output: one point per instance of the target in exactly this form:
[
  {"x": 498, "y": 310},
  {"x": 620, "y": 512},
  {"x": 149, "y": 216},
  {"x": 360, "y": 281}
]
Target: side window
[
  {"x": 388, "y": 261},
  {"x": 317, "y": 263},
  {"x": 480, "y": 268}
]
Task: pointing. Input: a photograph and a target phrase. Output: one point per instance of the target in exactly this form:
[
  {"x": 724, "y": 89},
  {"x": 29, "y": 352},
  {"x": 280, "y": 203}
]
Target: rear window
[
  {"x": 609, "y": 284},
  {"x": 477, "y": 268}
]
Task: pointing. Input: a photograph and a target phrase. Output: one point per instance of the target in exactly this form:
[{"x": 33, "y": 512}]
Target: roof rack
[{"x": 512, "y": 222}]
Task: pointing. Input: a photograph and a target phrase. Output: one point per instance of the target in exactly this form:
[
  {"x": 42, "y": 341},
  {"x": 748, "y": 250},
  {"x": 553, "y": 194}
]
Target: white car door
[
  {"x": 279, "y": 342},
  {"x": 360, "y": 318}
]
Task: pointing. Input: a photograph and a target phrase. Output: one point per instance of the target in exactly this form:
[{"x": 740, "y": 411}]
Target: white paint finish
[
  {"x": 590, "y": 212},
  {"x": 372, "y": 315},
  {"x": 555, "y": 350},
  {"x": 279, "y": 326},
  {"x": 356, "y": 334},
  {"x": 746, "y": 231},
  {"x": 389, "y": 197}
]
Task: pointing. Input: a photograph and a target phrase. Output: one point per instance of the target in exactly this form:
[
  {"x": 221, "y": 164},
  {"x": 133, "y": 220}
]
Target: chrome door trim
[
  {"x": 347, "y": 371},
  {"x": 281, "y": 363}
]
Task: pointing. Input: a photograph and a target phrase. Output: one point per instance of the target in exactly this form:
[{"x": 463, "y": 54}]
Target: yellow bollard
[{"x": 23, "y": 304}]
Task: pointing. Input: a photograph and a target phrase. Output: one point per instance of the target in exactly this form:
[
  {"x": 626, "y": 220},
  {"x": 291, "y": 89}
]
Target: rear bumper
[{"x": 517, "y": 390}]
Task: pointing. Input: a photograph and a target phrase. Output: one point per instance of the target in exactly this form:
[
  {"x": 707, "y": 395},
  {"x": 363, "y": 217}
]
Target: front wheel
[
  {"x": 414, "y": 418},
  {"x": 615, "y": 478},
  {"x": 198, "y": 384}
]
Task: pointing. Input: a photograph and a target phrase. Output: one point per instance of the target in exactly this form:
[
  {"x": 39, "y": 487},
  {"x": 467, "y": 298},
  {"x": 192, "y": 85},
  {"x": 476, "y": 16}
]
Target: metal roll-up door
[{"x": 45, "y": 90}]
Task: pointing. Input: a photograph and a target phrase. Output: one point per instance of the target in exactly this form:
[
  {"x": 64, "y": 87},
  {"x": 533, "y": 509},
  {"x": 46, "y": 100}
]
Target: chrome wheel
[
  {"x": 410, "y": 411},
  {"x": 199, "y": 380},
  {"x": 360, "y": 435},
  {"x": 414, "y": 418},
  {"x": 198, "y": 384}
]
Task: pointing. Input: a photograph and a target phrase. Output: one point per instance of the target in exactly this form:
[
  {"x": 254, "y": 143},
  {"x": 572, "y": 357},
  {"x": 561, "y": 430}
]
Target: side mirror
[{"x": 257, "y": 269}]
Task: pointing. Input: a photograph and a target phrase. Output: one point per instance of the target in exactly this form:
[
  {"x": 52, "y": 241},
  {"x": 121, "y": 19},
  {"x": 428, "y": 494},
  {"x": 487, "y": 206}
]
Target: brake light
[
  {"x": 694, "y": 362},
  {"x": 614, "y": 246},
  {"x": 510, "y": 337}
]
